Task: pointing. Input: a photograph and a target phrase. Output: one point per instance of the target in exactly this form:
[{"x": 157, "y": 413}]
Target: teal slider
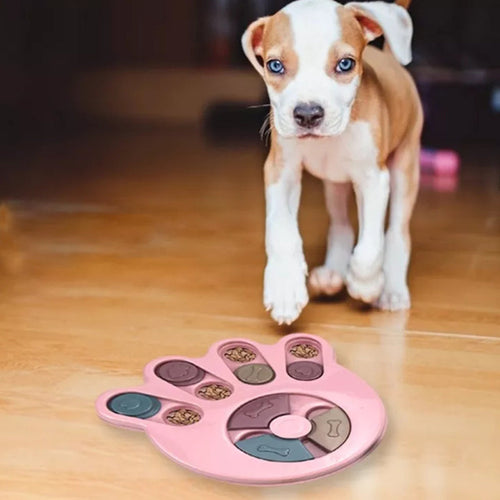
[{"x": 135, "y": 404}]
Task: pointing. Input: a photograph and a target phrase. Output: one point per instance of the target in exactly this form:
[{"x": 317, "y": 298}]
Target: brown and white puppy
[{"x": 349, "y": 114}]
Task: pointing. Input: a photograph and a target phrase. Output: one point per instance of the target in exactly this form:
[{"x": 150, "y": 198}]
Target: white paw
[
  {"x": 394, "y": 300},
  {"x": 285, "y": 292},
  {"x": 365, "y": 278},
  {"x": 325, "y": 281}
]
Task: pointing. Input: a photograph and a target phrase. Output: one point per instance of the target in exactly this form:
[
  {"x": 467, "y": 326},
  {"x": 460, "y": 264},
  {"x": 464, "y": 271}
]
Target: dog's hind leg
[
  {"x": 328, "y": 279},
  {"x": 404, "y": 175}
]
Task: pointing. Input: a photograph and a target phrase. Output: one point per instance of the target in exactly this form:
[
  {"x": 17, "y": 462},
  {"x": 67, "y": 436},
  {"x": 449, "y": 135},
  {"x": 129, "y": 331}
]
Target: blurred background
[
  {"x": 121, "y": 101},
  {"x": 67, "y": 66}
]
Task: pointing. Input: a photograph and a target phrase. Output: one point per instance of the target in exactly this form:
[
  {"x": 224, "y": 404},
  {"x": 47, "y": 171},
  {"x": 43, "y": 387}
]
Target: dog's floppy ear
[
  {"x": 252, "y": 42},
  {"x": 390, "y": 20}
]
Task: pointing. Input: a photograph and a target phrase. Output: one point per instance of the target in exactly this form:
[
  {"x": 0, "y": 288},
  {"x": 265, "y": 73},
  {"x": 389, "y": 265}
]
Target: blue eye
[
  {"x": 345, "y": 65},
  {"x": 275, "y": 66}
]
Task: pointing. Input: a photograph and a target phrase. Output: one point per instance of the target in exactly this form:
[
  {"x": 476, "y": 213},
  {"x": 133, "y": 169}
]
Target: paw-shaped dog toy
[{"x": 254, "y": 414}]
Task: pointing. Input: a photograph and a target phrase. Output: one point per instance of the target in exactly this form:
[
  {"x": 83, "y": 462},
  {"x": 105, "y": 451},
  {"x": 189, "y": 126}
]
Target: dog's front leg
[
  {"x": 285, "y": 292},
  {"x": 365, "y": 278}
]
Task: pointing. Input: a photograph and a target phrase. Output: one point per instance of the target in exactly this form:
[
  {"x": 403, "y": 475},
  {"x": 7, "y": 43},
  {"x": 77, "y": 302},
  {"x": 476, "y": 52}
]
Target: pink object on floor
[
  {"x": 262, "y": 425},
  {"x": 440, "y": 162}
]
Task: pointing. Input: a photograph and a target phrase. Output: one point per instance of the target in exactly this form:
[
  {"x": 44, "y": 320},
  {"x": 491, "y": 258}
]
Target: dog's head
[{"x": 309, "y": 55}]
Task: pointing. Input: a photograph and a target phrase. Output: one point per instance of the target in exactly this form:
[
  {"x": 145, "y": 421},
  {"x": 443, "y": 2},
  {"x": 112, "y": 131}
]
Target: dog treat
[
  {"x": 255, "y": 374},
  {"x": 214, "y": 391},
  {"x": 240, "y": 354},
  {"x": 180, "y": 373},
  {"x": 304, "y": 370},
  {"x": 183, "y": 416},
  {"x": 305, "y": 351},
  {"x": 134, "y": 404}
]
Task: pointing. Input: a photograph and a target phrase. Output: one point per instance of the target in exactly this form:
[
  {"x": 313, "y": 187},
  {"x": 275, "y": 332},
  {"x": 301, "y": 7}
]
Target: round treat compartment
[
  {"x": 214, "y": 392},
  {"x": 182, "y": 415},
  {"x": 304, "y": 359},
  {"x": 240, "y": 354},
  {"x": 237, "y": 354},
  {"x": 304, "y": 350}
]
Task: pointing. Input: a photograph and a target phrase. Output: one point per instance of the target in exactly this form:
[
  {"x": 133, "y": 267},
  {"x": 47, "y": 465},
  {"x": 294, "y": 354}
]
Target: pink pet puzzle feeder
[{"x": 253, "y": 414}]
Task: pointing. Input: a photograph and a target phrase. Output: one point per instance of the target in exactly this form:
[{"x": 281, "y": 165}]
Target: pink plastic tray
[{"x": 253, "y": 414}]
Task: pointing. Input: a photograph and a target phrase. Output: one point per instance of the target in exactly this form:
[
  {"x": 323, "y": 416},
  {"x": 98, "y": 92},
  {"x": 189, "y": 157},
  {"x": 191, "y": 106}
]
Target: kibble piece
[
  {"x": 305, "y": 351},
  {"x": 183, "y": 416},
  {"x": 214, "y": 391},
  {"x": 240, "y": 355}
]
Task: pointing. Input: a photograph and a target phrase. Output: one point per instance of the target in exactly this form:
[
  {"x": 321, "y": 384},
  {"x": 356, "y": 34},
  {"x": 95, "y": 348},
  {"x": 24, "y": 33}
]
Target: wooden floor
[{"x": 119, "y": 248}]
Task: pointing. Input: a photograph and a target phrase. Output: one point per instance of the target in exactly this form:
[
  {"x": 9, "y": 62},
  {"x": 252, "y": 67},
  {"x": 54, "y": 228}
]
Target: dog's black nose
[{"x": 308, "y": 115}]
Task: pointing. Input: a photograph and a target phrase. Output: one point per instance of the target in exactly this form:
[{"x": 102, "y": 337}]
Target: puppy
[{"x": 349, "y": 114}]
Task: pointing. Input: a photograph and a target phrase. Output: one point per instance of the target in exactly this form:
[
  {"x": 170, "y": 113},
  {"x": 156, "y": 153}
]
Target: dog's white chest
[{"x": 341, "y": 158}]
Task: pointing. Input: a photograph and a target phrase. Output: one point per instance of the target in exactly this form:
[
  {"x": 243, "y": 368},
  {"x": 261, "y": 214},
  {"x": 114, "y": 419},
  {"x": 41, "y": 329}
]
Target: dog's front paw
[
  {"x": 394, "y": 299},
  {"x": 325, "y": 281},
  {"x": 285, "y": 292},
  {"x": 365, "y": 277}
]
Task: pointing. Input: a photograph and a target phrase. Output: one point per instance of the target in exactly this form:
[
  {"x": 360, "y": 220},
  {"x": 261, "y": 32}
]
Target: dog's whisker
[
  {"x": 253, "y": 106},
  {"x": 264, "y": 126},
  {"x": 265, "y": 130}
]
